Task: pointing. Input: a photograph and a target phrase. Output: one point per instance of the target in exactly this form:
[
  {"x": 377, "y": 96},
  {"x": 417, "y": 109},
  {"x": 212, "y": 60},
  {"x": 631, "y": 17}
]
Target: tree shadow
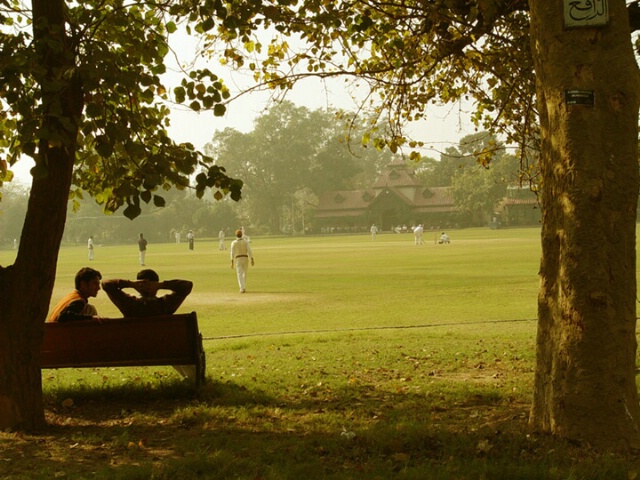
[{"x": 227, "y": 430}]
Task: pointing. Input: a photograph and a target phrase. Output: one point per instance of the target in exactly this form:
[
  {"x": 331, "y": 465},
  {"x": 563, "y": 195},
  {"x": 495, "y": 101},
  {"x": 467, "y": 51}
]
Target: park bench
[{"x": 127, "y": 342}]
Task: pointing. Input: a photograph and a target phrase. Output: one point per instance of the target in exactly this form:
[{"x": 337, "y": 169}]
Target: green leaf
[
  {"x": 171, "y": 27},
  {"x": 180, "y": 93},
  {"x": 158, "y": 201},
  {"x": 208, "y": 24},
  {"x": 103, "y": 147},
  {"x": 219, "y": 110},
  {"x": 132, "y": 211}
]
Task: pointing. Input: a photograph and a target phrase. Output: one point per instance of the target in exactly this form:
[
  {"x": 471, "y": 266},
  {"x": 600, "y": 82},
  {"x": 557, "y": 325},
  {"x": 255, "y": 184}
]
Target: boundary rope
[{"x": 356, "y": 329}]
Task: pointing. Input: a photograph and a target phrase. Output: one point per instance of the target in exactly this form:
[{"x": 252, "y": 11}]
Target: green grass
[{"x": 345, "y": 359}]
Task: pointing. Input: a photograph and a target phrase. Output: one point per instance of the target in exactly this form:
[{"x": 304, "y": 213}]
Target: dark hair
[
  {"x": 148, "y": 274},
  {"x": 86, "y": 274}
]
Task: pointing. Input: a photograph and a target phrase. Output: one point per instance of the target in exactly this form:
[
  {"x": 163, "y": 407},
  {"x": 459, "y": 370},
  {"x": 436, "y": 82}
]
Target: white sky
[{"x": 444, "y": 127}]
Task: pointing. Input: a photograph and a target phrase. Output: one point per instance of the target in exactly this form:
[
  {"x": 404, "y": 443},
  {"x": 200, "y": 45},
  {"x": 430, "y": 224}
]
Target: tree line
[{"x": 291, "y": 156}]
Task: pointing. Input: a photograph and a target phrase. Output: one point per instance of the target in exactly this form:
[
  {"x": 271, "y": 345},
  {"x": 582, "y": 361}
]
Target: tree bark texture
[
  {"x": 26, "y": 286},
  {"x": 585, "y": 386}
]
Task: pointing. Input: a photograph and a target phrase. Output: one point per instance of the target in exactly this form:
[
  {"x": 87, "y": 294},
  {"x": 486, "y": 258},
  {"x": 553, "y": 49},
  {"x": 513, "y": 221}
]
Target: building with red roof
[{"x": 396, "y": 198}]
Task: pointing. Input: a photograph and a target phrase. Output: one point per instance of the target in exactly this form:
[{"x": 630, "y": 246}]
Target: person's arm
[
  {"x": 179, "y": 287},
  {"x": 232, "y": 252},
  {"x": 179, "y": 291},
  {"x": 250, "y": 253},
  {"x": 113, "y": 289},
  {"x": 74, "y": 312}
]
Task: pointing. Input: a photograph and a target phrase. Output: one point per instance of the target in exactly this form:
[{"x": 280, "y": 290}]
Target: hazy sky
[{"x": 445, "y": 125}]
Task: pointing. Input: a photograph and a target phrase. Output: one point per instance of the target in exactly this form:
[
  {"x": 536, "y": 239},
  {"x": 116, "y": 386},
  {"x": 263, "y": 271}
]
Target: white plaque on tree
[{"x": 586, "y": 13}]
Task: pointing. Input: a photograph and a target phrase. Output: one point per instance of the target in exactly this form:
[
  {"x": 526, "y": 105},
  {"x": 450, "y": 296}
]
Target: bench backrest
[{"x": 162, "y": 340}]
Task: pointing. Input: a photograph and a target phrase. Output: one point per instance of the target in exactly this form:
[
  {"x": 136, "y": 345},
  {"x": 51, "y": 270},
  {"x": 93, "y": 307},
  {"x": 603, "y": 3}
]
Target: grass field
[
  {"x": 322, "y": 283},
  {"x": 345, "y": 359}
]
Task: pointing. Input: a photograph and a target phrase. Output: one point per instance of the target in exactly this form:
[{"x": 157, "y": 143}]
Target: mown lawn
[{"x": 345, "y": 359}]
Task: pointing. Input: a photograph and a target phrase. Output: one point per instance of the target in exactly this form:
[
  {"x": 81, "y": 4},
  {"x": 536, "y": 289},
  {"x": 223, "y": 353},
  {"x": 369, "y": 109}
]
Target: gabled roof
[
  {"x": 356, "y": 202},
  {"x": 433, "y": 196},
  {"x": 398, "y": 179},
  {"x": 341, "y": 199},
  {"x": 344, "y": 202},
  {"x": 397, "y": 174}
]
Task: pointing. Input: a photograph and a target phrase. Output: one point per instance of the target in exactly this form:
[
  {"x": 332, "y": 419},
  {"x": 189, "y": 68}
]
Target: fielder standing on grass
[
  {"x": 142, "y": 246},
  {"x": 240, "y": 255},
  {"x": 90, "y": 247}
]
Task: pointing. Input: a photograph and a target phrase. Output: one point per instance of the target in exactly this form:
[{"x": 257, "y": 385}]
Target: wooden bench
[{"x": 127, "y": 342}]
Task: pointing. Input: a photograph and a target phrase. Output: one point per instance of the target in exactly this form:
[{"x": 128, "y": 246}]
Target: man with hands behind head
[{"x": 147, "y": 303}]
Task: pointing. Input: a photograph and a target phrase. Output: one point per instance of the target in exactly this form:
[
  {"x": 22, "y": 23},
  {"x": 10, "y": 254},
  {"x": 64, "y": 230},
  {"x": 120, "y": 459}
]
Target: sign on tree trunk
[{"x": 586, "y": 13}]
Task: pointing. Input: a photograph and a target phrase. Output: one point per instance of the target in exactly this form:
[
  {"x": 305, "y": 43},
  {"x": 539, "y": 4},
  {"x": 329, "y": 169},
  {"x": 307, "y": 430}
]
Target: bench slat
[{"x": 125, "y": 342}]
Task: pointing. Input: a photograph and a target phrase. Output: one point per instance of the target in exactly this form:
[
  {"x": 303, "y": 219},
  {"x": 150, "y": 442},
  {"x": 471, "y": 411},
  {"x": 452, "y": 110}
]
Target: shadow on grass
[{"x": 168, "y": 430}]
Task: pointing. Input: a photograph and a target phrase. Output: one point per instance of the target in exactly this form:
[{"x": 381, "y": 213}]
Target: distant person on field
[
  {"x": 190, "y": 239},
  {"x": 147, "y": 303},
  {"x": 417, "y": 234},
  {"x": 444, "y": 238},
  {"x": 177, "y": 234},
  {"x": 142, "y": 246},
  {"x": 240, "y": 255},
  {"x": 221, "y": 235},
  {"x": 90, "y": 247},
  {"x": 15, "y": 243},
  {"x": 75, "y": 305},
  {"x": 374, "y": 231}
]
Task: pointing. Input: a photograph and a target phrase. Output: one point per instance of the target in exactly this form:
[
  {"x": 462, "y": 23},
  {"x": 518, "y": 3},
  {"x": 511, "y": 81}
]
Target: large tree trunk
[
  {"x": 585, "y": 385},
  {"x": 26, "y": 286}
]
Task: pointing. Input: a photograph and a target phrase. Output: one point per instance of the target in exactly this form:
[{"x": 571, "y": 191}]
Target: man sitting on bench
[
  {"x": 147, "y": 303},
  {"x": 75, "y": 305}
]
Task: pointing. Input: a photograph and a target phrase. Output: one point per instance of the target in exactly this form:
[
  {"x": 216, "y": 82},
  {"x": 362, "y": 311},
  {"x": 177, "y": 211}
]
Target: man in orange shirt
[{"x": 75, "y": 305}]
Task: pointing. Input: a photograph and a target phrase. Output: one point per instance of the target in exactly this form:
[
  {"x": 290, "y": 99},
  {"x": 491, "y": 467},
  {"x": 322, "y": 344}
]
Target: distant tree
[
  {"x": 13, "y": 209},
  {"x": 425, "y": 170},
  {"x": 452, "y": 160},
  {"x": 483, "y": 171},
  {"x": 289, "y": 149},
  {"x": 209, "y": 219}
]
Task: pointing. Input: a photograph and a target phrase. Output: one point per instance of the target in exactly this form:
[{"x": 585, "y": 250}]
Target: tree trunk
[
  {"x": 585, "y": 385},
  {"x": 26, "y": 286}
]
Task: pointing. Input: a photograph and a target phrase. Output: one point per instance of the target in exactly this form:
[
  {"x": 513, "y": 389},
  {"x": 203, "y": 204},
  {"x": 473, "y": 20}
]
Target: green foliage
[
  {"x": 289, "y": 150},
  {"x": 181, "y": 212},
  {"x": 114, "y": 57},
  {"x": 13, "y": 208},
  {"x": 409, "y": 54},
  {"x": 482, "y": 176}
]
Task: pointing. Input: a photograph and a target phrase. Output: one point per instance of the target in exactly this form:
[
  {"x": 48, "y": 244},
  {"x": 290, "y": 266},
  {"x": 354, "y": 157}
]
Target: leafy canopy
[
  {"x": 114, "y": 54},
  {"x": 409, "y": 54}
]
